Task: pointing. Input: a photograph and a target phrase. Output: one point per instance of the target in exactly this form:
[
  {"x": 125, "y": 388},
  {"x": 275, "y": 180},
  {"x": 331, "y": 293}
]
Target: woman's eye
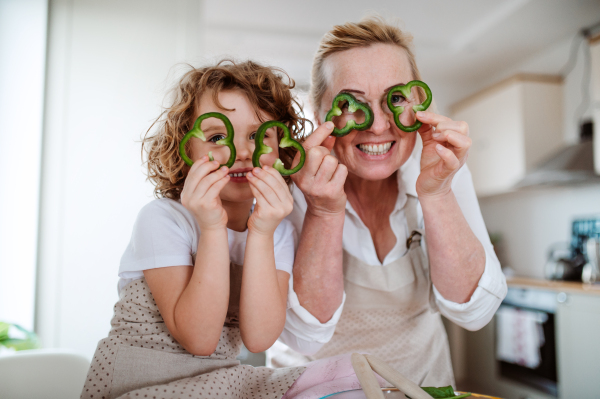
[
  {"x": 397, "y": 98},
  {"x": 216, "y": 138}
]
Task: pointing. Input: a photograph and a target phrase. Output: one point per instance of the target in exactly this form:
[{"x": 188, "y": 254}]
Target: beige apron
[
  {"x": 140, "y": 359},
  {"x": 390, "y": 312}
]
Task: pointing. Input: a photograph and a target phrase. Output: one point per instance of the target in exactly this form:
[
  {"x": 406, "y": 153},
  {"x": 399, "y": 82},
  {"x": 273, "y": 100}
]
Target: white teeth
[
  {"x": 238, "y": 174},
  {"x": 376, "y": 149}
]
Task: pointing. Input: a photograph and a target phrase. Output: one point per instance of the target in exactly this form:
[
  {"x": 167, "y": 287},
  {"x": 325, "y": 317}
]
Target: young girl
[{"x": 186, "y": 303}]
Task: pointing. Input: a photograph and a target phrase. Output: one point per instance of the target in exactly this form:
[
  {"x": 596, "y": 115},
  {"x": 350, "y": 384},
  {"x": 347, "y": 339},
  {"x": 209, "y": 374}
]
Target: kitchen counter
[{"x": 559, "y": 286}]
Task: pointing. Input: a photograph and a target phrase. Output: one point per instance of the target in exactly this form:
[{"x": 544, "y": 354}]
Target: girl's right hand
[{"x": 200, "y": 194}]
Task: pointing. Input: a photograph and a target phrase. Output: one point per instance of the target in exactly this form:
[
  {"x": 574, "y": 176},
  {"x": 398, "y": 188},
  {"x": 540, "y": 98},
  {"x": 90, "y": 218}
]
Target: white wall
[
  {"x": 109, "y": 65},
  {"x": 532, "y": 220},
  {"x": 22, "y": 66}
]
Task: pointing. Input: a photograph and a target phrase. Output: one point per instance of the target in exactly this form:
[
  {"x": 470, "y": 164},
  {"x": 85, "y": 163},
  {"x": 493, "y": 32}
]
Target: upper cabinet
[{"x": 514, "y": 125}]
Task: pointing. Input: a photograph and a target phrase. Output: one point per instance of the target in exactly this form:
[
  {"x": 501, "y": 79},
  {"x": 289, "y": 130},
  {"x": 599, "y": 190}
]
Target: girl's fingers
[
  {"x": 271, "y": 178},
  {"x": 215, "y": 189},
  {"x": 198, "y": 171},
  {"x": 260, "y": 199},
  {"x": 205, "y": 184},
  {"x": 459, "y": 142},
  {"x": 450, "y": 162},
  {"x": 267, "y": 192}
]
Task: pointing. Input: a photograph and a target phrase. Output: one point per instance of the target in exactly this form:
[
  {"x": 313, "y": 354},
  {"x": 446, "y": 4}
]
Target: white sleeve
[
  {"x": 491, "y": 289},
  {"x": 303, "y": 332},
  {"x": 283, "y": 244},
  {"x": 161, "y": 237}
]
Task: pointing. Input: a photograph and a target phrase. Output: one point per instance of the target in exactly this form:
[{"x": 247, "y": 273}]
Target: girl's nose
[
  {"x": 381, "y": 121},
  {"x": 244, "y": 148}
]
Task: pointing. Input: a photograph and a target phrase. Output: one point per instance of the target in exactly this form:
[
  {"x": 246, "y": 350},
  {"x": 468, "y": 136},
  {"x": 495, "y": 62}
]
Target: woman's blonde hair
[
  {"x": 368, "y": 31},
  {"x": 268, "y": 89}
]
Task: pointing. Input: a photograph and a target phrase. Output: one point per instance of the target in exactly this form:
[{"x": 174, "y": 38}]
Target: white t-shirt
[{"x": 166, "y": 234}]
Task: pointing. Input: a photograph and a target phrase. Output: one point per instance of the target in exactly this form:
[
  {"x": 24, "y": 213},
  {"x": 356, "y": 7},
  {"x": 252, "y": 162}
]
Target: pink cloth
[{"x": 326, "y": 376}]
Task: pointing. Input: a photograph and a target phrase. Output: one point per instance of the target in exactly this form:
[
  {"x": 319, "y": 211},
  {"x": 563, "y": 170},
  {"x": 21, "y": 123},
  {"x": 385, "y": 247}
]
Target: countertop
[{"x": 558, "y": 286}]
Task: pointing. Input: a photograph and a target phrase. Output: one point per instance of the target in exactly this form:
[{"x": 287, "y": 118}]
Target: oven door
[{"x": 525, "y": 339}]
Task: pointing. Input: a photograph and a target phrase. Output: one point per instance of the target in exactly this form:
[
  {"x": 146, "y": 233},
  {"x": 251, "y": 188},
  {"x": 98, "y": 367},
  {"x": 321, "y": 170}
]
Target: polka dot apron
[
  {"x": 140, "y": 358},
  {"x": 390, "y": 312}
]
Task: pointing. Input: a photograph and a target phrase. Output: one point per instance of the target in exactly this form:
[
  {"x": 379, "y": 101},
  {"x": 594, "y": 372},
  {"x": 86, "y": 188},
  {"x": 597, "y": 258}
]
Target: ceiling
[{"x": 461, "y": 46}]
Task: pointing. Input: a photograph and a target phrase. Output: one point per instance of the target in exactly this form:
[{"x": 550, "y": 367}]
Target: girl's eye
[
  {"x": 216, "y": 138},
  {"x": 252, "y": 136}
]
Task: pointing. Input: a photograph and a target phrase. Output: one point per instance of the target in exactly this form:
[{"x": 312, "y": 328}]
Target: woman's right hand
[
  {"x": 322, "y": 178},
  {"x": 200, "y": 194}
]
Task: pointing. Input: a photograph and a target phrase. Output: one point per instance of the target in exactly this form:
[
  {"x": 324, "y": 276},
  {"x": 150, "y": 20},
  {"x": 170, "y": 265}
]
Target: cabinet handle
[{"x": 562, "y": 297}]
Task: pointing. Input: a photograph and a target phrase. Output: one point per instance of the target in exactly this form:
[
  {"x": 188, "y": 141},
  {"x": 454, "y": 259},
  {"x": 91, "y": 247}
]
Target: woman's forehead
[{"x": 371, "y": 69}]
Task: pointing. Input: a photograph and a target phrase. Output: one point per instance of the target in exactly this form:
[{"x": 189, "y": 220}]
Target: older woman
[{"x": 363, "y": 279}]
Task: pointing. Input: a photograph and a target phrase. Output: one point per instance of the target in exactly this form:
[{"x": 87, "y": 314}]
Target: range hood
[{"x": 573, "y": 164}]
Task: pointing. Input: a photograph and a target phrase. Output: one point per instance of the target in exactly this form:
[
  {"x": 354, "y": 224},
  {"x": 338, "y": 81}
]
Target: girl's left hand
[
  {"x": 446, "y": 144},
  {"x": 273, "y": 200}
]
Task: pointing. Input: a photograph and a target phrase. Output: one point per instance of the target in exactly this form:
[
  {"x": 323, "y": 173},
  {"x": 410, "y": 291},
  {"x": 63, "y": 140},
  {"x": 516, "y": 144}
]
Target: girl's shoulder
[{"x": 164, "y": 210}]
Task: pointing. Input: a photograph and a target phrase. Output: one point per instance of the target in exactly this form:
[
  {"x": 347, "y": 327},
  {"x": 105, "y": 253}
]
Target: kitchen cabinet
[
  {"x": 514, "y": 125},
  {"x": 578, "y": 336}
]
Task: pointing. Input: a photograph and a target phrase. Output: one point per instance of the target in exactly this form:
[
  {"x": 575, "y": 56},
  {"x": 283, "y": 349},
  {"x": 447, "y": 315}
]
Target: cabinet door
[
  {"x": 578, "y": 340},
  {"x": 497, "y": 155}
]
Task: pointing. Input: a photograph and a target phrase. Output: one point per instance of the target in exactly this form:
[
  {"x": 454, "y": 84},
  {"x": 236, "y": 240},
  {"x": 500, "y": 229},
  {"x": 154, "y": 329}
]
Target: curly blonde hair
[{"x": 268, "y": 89}]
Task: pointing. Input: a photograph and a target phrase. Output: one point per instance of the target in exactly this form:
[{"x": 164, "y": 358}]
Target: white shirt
[
  {"x": 166, "y": 234},
  {"x": 305, "y": 334}
]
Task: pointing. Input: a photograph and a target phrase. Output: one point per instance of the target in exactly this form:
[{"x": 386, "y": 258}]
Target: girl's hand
[
  {"x": 273, "y": 200},
  {"x": 201, "y": 191},
  {"x": 445, "y": 147},
  {"x": 322, "y": 178}
]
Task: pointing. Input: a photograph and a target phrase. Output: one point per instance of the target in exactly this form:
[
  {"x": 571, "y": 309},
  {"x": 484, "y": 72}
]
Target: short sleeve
[
  {"x": 162, "y": 236},
  {"x": 284, "y": 246}
]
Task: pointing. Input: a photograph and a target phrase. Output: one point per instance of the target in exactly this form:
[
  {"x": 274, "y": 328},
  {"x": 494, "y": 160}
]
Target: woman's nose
[{"x": 381, "y": 121}]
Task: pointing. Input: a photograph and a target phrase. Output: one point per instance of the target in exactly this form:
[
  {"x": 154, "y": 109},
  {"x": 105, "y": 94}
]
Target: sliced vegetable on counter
[
  {"x": 405, "y": 90},
  {"x": 260, "y": 148},
  {"x": 197, "y": 132},
  {"x": 353, "y": 106}
]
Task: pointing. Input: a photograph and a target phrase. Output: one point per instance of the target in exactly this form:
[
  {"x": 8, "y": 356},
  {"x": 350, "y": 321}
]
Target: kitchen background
[{"x": 81, "y": 81}]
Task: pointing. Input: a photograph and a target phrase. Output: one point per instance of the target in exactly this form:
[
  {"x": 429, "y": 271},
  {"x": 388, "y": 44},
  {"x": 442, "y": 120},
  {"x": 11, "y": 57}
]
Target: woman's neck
[
  {"x": 237, "y": 214},
  {"x": 366, "y": 192}
]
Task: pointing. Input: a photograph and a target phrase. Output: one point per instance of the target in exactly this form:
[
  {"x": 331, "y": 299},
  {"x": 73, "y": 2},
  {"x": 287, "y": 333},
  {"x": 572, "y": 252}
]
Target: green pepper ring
[
  {"x": 405, "y": 90},
  {"x": 260, "y": 148},
  {"x": 198, "y": 133},
  {"x": 353, "y": 106}
]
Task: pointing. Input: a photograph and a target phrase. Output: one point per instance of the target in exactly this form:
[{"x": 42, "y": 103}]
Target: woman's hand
[
  {"x": 273, "y": 200},
  {"x": 322, "y": 178},
  {"x": 445, "y": 147},
  {"x": 201, "y": 191}
]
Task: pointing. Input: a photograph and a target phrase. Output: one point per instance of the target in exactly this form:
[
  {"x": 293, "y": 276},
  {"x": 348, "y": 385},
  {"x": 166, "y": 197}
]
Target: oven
[{"x": 525, "y": 339}]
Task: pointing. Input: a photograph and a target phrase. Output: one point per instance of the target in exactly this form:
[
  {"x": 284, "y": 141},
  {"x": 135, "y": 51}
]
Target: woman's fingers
[
  {"x": 460, "y": 143},
  {"x": 327, "y": 168},
  {"x": 450, "y": 162}
]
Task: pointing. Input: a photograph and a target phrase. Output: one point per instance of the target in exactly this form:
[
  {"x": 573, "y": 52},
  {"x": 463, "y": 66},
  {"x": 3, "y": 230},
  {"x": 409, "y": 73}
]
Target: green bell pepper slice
[
  {"x": 198, "y": 133},
  {"x": 405, "y": 90},
  {"x": 353, "y": 106},
  {"x": 260, "y": 148}
]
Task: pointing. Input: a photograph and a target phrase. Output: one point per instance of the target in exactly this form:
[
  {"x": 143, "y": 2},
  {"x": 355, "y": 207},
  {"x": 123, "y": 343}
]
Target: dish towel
[{"x": 519, "y": 336}]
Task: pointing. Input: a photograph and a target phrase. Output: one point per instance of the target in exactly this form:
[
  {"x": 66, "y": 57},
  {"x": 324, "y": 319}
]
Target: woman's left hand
[
  {"x": 274, "y": 200},
  {"x": 446, "y": 144}
]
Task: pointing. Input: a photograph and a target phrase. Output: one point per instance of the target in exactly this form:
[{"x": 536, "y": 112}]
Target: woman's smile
[{"x": 376, "y": 149}]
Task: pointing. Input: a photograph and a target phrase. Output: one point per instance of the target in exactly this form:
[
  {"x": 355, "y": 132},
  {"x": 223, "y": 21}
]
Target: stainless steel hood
[{"x": 571, "y": 165}]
